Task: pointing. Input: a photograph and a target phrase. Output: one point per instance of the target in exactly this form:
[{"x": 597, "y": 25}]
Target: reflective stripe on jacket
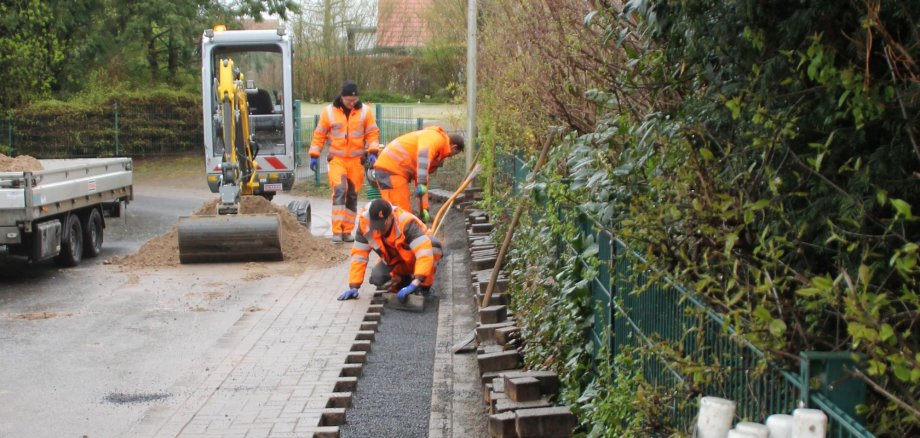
[
  {"x": 347, "y": 135},
  {"x": 415, "y": 155},
  {"x": 408, "y": 243}
]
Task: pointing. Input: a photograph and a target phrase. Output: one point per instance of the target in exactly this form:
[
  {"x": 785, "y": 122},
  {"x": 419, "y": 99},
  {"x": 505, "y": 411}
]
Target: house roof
[{"x": 402, "y": 23}]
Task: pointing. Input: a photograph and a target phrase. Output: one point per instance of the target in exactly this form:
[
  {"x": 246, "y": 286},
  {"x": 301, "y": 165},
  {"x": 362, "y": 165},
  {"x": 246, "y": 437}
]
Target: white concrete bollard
[
  {"x": 755, "y": 429},
  {"x": 780, "y": 426},
  {"x": 715, "y": 418},
  {"x": 809, "y": 423},
  {"x": 735, "y": 433}
]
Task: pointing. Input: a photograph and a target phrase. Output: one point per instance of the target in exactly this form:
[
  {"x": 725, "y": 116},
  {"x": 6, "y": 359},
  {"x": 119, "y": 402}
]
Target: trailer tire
[
  {"x": 71, "y": 243},
  {"x": 92, "y": 234}
]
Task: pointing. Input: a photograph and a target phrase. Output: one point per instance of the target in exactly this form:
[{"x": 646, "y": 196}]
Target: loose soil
[
  {"x": 22, "y": 163},
  {"x": 297, "y": 244}
]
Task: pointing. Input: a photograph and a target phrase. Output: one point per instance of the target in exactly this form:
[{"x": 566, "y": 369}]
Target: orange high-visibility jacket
[
  {"x": 347, "y": 135},
  {"x": 408, "y": 244},
  {"x": 416, "y": 154}
]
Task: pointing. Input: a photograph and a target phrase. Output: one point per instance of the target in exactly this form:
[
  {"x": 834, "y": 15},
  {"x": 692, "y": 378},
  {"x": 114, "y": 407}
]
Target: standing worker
[
  {"x": 408, "y": 253},
  {"x": 352, "y": 132},
  {"x": 413, "y": 157}
]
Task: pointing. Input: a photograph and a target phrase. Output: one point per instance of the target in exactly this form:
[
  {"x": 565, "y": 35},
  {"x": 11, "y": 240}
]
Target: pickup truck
[{"x": 58, "y": 212}]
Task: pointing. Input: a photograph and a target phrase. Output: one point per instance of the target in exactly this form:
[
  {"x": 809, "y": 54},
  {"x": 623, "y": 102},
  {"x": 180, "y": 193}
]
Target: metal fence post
[
  {"x": 419, "y": 123},
  {"x": 316, "y": 173},
  {"x": 117, "y": 145},
  {"x": 298, "y": 135},
  {"x": 9, "y": 133}
]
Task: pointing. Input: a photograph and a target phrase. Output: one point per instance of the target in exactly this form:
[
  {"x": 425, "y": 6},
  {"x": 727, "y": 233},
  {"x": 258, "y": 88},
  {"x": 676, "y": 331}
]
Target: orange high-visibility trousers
[
  {"x": 346, "y": 175},
  {"x": 394, "y": 189}
]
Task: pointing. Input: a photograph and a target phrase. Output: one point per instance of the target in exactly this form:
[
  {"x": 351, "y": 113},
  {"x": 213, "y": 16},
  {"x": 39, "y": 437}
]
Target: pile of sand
[
  {"x": 22, "y": 163},
  {"x": 297, "y": 244}
]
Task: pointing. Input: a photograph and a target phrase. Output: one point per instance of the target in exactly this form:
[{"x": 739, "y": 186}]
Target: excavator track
[{"x": 230, "y": 238}]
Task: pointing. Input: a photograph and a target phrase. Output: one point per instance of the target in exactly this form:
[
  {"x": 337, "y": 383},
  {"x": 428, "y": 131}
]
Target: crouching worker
[{"x": 408, "y": 253}]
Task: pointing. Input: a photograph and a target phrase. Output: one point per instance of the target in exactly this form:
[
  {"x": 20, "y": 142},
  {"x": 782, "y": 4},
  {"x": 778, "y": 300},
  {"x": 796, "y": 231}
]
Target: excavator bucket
[{"x": 230, "y": 238}]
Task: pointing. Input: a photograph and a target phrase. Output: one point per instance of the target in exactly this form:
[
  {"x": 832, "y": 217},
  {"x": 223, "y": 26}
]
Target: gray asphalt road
[{"x": 86, "y": 350}]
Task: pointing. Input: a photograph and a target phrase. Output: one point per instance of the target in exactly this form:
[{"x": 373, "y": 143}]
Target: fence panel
[{"x": 646, "y": 311}]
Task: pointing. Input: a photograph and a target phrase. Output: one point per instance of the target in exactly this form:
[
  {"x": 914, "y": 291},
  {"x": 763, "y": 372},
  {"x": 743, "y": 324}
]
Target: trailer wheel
[
  {"x": 71, "y": 243},
  {"x": 92, "y": 234}
]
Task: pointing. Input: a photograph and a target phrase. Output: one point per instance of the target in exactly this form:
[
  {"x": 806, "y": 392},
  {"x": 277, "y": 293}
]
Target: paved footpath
[{"x": 280, "y": 372}]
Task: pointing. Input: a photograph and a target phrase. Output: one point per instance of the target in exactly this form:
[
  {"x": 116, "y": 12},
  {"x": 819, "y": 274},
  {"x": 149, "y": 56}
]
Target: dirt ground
[
  {"x": 22, "y": 163},
  {"x": 297, "y": 244}
]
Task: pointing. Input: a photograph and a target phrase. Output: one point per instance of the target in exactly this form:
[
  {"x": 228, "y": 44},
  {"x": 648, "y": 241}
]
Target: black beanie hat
[{"x": 349, "y": 88}]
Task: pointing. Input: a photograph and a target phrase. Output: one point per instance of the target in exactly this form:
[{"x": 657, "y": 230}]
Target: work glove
[
  {"x": 403, "y": 293},
  {"x": 371, "y": 159},
  {"x": 350, "y": 294},
  {"x": 425, "y": 216},
  {"x": 314, "y": 164},
  {"x": 421, "y": 190}
]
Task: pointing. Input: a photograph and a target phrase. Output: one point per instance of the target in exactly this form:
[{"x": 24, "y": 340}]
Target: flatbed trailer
[{"x": 59, "y": 212}]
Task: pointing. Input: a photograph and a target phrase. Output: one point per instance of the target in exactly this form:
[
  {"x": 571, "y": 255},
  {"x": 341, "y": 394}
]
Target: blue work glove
[
  {"x": 403, "y": 293},
  {"x": 426, "y": 217},
  {"x": 350, "y": 294},
  {"x": 421, "y": 189},
  {"x": 371, "y": 159},
  {"x": 314, "y": 164}
]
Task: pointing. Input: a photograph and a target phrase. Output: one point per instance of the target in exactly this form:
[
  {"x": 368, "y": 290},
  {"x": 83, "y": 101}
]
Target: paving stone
[
  {"x": 346, "y": 384},
  {"x": 498, "y": 384},
  {"x": 326, "y": 432},
  {"x": 494, "y": 398},
  {"x": 332, "y": 417},
  {"x": 522, "y": 389},
  {"x": 370, "y": 326},
  {"x": 492, "y": 375},
  {"x": 339, "y": 400},
  {"x": 486, "y": 389},
  {"x": 351, "y": 370},
  {"x": 497, "y": 299},
  {"x": 374, "y": 316},
  {"x": 555, "y": 422},
  {"x": 506, "y": 404},
  {"x": 504, "y": 335},
  {"x": 375, "y": 308},
  {"x": 356, "y": 357},
  {"x": 493, "y": 314},
  {"x": 486, "y": 332},
  {"x": 503, "y": 425},
  {"x": 361, "y": 346},
  {"x": 365, "y": 335},
  {"x": 504, "y": 360},
  {"x": 483, "y": 262}
]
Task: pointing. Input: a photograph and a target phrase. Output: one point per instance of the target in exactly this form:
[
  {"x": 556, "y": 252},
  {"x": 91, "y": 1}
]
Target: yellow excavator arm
[{"x": 239, "y": 160}]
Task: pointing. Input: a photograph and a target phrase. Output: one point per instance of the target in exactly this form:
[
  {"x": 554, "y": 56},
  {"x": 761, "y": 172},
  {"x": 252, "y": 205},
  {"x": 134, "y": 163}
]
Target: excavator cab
[{"x": 248, "y": 144}]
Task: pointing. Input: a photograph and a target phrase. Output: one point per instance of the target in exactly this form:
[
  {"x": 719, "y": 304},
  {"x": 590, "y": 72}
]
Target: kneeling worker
[
  {"x": 408, "y": 253},
  {"x": 413, "y": 156}
]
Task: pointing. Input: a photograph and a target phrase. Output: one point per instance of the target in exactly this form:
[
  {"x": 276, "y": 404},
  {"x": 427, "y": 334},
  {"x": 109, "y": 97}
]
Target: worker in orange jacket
[
  {"x": 413, "y": 157},
  {"x": 408, "y": 252},
  {"x": 352, "y": 130}
]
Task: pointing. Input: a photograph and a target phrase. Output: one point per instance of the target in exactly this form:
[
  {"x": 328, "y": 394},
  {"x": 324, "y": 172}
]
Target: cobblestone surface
[{"x": 275, "y": 370}]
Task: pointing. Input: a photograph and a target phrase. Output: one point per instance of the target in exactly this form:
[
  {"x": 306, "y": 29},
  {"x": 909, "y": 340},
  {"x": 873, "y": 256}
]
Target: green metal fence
[
  {"x": 393, "y": 121},
  {"x": 637, "y": 309},
  {"x": 136, "y": 130}
]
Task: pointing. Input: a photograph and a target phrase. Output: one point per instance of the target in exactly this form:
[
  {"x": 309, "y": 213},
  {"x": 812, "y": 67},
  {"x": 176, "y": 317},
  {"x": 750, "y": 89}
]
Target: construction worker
[
  {"x": 408, "y": 253},
  {"x": 351, "y": 130},
  {"x": 413, "y": 157}
]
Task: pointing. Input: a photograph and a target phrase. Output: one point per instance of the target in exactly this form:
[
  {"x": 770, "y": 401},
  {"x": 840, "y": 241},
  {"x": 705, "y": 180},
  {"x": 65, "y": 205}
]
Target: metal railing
[{"x": 639, "y": 309}]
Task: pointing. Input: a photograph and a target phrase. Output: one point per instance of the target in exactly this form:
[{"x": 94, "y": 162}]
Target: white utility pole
[{"x": 470, "y": 82}]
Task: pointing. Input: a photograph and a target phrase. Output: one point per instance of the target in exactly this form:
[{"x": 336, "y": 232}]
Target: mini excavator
[{"x": 249, "y": 145}]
